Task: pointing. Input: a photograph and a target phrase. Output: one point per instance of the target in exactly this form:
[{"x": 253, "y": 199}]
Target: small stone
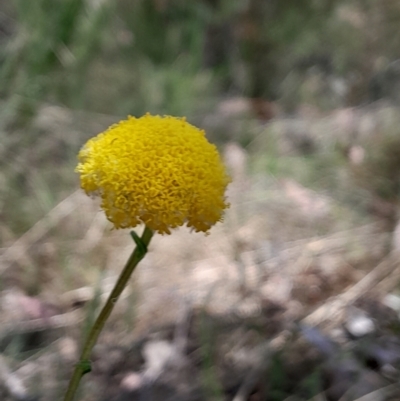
[
  {"x": 156, "y": 354},
  {"x": 132, "y": 381},
  {"x": 393, "y": 301},
  {"x": 359, "y": 324}
]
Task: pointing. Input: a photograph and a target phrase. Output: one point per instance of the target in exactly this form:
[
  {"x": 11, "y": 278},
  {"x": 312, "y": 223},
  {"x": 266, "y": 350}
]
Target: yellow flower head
[{"x": 160, "y": 171}]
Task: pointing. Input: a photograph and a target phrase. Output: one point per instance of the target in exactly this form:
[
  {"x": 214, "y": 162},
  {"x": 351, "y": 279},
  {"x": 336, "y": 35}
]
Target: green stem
[{"x": 83, "y": 366}]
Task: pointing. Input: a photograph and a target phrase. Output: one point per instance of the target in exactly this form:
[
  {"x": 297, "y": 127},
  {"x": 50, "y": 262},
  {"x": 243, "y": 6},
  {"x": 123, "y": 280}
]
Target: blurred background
[{"x": 295, "y": 296}]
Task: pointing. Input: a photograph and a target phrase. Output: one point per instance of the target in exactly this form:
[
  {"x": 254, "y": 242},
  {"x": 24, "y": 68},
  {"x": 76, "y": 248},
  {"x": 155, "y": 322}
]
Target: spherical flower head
[{"x": 160, "y": 171}]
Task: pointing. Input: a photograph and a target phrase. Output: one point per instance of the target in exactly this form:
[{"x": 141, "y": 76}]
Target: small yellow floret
[{"x": 160, "y": 171}]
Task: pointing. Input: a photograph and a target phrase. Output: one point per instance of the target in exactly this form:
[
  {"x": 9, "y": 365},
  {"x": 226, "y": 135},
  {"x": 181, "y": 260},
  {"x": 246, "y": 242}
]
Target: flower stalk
[
  {"x": 159, "y": 171},
  {"x": 84, "y": 365}
]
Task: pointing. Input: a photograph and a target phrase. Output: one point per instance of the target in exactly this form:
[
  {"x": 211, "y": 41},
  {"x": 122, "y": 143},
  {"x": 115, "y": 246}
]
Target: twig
[{"x": 52, "y": 322}]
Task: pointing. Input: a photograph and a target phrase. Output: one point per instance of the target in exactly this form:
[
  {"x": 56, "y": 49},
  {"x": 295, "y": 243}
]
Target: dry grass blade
[
  {"x": 52, "y": 322},
  {"x": 333, "y": 309},
  {"x": 382, "y": 394},
  {"x": 94, "y": 234},
  {"x": 92, "y": 238},
  {"x": 181, "y": 335},
  {"x": 261, "y": 365},
  {"x": 11, "y": 382},
  {"x": 318, "y": 245},
  {"x": 254, "y": 374},
  {"x": 17, "y": 250},
  {"x": 318, "y": 397}
]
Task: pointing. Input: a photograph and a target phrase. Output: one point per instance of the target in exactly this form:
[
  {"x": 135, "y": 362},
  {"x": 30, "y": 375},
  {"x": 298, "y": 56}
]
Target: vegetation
[{"x": 301, "y": 96}]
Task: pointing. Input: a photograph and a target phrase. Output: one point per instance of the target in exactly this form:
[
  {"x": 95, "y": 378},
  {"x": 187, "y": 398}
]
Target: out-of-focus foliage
[
  {"x": 182, "y": 58},
  {"x": 174, "y": 56},
  {"x": 48, "y": 53}
]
